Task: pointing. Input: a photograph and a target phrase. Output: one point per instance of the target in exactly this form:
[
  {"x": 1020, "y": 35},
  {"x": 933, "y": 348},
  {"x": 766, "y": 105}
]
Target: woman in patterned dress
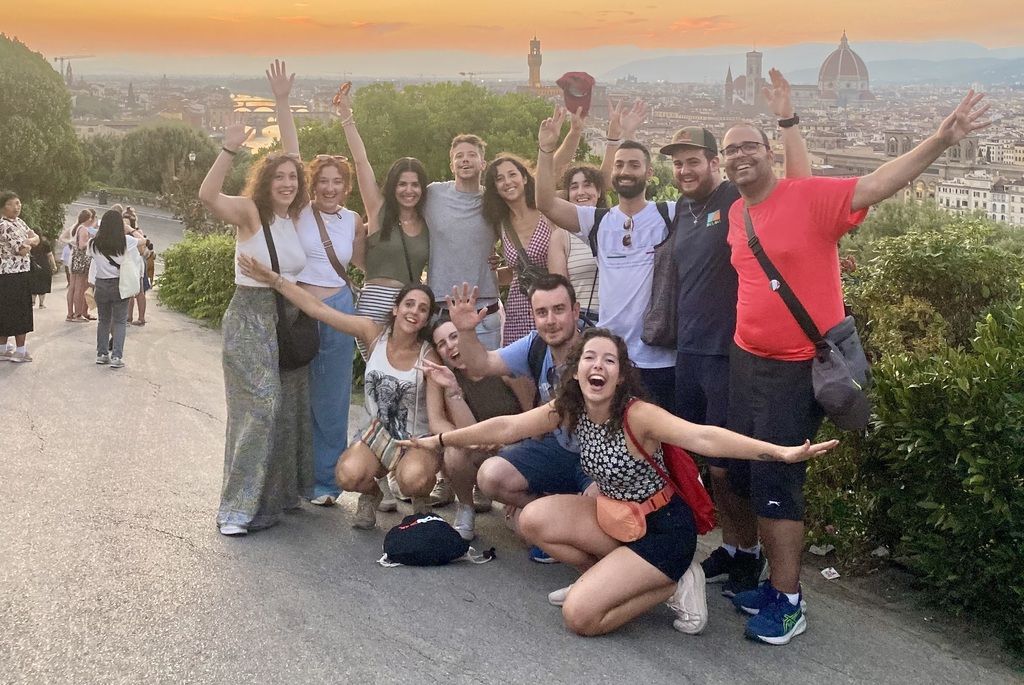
[
  {"x": 619, "y": 581},
  {"x": 16, "y": 242},
  {"x": 509, "y": 206},
  {"x": 399, "y": 400}
]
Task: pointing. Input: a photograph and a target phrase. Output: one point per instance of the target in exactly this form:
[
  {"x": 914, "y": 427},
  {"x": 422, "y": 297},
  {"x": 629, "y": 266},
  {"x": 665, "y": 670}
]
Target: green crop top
[{"x": 386, "y": 259}]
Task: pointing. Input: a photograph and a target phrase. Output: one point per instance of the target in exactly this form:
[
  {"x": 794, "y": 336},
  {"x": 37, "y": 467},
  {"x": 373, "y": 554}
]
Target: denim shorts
[{"x": 549, "y": 468}]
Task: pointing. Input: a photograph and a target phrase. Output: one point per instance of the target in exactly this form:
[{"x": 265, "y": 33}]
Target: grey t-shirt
[{"x": 460, "y": 242}]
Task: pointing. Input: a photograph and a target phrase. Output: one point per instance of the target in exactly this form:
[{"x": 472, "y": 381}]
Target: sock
[
  {"x": 731, "y": 549},
  {"x": 755, "y": 550},
  {"x": 793, "y": 599},
  {"x": 20, "y": 350}
]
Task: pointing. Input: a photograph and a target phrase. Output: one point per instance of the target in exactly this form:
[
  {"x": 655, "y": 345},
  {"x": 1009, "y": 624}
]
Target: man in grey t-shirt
[{"x": 460, "y": 239}]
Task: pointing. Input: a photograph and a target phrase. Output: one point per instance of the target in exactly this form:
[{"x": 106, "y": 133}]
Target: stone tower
[
  {"x": 754, "y": 78},
  {"x": 534, "y": 60},
  {"x": 727, "y": 98}
]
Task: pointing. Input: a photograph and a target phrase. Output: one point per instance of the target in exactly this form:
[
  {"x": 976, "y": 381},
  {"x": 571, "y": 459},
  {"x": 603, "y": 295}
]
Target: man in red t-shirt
[{"x": 799, "y": 222}]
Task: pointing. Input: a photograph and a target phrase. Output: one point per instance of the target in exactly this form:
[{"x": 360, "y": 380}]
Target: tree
[
  {"x": 101, "y": 154},
  {"x": 153, "y": 156},
  {"x": 42, "y": 160}
]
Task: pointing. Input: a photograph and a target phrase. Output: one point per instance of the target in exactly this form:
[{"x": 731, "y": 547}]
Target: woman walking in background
[
  {"x": 268, "y": 450},
  {"x": 44, "y": 266},
  {"x": 109, "y": 250},
  {"x": 78, "y": 263}
]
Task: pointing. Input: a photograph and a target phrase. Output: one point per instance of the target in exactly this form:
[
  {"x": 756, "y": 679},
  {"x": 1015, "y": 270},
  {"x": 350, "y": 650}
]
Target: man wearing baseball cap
[{"x": 706, "y": 315}]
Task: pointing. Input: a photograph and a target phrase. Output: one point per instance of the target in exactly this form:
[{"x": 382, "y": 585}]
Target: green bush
[{"x": 199, "y": 276}]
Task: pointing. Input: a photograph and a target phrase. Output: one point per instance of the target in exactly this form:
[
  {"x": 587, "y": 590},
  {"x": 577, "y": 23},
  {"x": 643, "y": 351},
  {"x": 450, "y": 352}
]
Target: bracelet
[
  {"x": 230, "y": 152},
  {"x": 277, "y": 282},
  {"x": 454, "y": 396},
  {"x": 440, "y": 440},
  {"x": 548, "y": 152},
  {"x": 612, "y": 140},
  {"x": 350, "y": 120}
]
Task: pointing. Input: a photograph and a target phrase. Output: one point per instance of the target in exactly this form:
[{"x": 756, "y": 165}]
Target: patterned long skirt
[{"x": 268, "y": 446}]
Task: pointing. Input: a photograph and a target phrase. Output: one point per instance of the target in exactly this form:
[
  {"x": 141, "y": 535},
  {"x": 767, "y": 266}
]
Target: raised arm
[
  {"x": 567, "y": 150},
  {"x": 373, "y": 200},
  {"x": 437, "y": 417},
  {"x": 479, "y": 360},
  {"x": 895, "y": 174},
  {"x": 558, "y": 252},
  {"x": 501, "y": 430},
  {"x": 779, "y": 99},
  {"x": 232, "y": 209},
  {"x": 553, "y": 207},
  {"x": 622, "y": 125},
  {"x": 653, "y": 424},
  {"x": 281, "y": 86},
  {"x": 458, "y": 411},
  {"x": 359, "y": 326}
]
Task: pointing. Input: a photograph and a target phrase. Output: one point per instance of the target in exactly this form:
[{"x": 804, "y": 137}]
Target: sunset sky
[{"x": 200, "y": 28}]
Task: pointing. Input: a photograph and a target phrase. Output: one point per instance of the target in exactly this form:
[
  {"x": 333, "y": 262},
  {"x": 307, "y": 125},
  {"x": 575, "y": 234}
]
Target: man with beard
[
  {"x": 706, "y": 316},
  {"x": 625, "y": 250},
  {"x": 798, "y": 223},
  {"x": 533, "y": 467},
  {"x": 461, "y": 241}
]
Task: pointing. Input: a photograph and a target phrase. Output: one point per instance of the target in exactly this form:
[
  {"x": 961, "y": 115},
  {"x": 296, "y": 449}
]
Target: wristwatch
[{"x": 792, "y": 121}]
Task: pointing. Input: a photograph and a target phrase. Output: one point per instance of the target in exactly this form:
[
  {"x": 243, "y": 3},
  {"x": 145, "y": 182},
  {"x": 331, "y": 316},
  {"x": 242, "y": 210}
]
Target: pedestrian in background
[{"x": 16, "y": 241}]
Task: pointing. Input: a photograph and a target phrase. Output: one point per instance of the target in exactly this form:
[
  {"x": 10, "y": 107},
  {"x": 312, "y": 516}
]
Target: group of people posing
[{"x": 546, "y": 413}]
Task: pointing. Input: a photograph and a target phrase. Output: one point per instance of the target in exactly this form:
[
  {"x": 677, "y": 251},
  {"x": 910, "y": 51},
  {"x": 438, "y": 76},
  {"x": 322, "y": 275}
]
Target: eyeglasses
[
  {"x": 748, "y": 148},
  {"x": 627, "y": 226},
  {"x": 337, "y": 158}
]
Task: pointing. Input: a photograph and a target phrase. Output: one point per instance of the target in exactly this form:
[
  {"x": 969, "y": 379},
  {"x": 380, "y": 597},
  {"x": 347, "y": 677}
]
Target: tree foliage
[
  {"x": 42, "y": 160},
  {"x": 151, "y": 157}
]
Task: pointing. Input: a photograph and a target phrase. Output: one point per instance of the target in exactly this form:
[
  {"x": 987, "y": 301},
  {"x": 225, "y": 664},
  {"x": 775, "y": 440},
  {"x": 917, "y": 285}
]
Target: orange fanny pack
[{"x": 627, "y": 521}]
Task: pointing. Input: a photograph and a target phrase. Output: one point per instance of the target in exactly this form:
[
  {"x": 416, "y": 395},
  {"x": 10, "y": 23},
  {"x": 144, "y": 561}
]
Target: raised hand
[
  {"x": 551, "y": 129},
  {"x": 578, "y": 121},
  {"x": 614, "y": 120},
  {"x": 805, "y": 451},
  {"x": 343, "y": 100},
  {"x": 462, "y": 307},
  {"x": 256, "y": 270},
  {"x": 440, "y": 374},
  {"x": 235, "y": 136},
  {"x": 632, "y": 118},
  {"x": 964, "y": 120},
  {"x": 778, "y": 95},
  {"x": 280, "y": 81}
]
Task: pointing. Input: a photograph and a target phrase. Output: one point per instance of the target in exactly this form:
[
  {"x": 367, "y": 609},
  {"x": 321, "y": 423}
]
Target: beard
[
  {"x": 629, "y": 192},
  {"x": 704, "y": 188}
]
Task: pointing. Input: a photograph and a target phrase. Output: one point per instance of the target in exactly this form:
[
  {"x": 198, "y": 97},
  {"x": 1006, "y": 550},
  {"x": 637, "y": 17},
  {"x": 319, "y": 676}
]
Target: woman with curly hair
[
  {"x": 619, "y": 436},
  {"x": 268, "y": 456},
  {"x": 509, "y": 207}
]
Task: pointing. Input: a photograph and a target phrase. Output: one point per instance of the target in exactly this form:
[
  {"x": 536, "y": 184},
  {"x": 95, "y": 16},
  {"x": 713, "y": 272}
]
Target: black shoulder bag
[
  {"x": 840, "y": 372},
  {"x": 298, "y": 339},
  {"x": 527, "y": 272}
]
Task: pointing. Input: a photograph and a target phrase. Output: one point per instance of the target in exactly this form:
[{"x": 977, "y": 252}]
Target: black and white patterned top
[
  {"x": 619, "y": 475},
  {"x": 13, "y": 233}
]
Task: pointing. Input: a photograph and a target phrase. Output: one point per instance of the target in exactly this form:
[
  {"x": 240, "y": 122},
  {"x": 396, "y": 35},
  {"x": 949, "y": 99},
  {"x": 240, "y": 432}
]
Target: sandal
[
  {"x": 140, "y": 322},
  {"x": 88, "y": 318}
]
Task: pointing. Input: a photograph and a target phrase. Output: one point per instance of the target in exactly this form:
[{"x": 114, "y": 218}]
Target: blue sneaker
[
  {"x": 778, "y": 622},
  {"x": 540, "y": 556},
  {"x": 752, "y": 601}
]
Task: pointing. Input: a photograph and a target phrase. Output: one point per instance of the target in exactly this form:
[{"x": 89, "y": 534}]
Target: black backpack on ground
[{"x": 427, "y": 540}]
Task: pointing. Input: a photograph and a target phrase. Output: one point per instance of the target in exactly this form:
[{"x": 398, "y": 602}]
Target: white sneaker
[
  {"x": 442, "y": 494},
  {"x": 231, "y": 529},
  {"x": 116, "y": 363},
  {"x": 389, "y": 503},
  {"x": 323, "y": 501},
  {"x": 690, "y": 602},
  {"x": 102, "y": 358},
  {"x": 465, "y": 518},
  {"x": 557, "y": 598},
  {"x": 20, "y": 357},
  {"x": 6, "y": 354}
]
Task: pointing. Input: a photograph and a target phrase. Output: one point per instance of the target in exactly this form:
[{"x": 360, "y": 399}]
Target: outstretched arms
[
  {"x": 501, "y": 430},
  {"x": 373, "y": 200},
  {"x": 232, "y": 209},
  {"x": 281, "y": 86},
  {"x": 778, "y": 97}
]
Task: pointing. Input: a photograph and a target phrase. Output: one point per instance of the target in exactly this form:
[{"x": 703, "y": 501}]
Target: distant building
[
  {"x": 1000, "y": 199},
  {"x": 534, "y": 86},
  {"x": 746, "y": 88},
  {"x": 534, "y": 60}
]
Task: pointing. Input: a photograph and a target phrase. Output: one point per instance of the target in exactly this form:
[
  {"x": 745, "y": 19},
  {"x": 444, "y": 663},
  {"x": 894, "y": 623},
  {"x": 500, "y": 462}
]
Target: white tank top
[
  {"x": 398, "y": 399},
  {"x": 341, "y": 229},
  {"x": 290, "y": 256}
]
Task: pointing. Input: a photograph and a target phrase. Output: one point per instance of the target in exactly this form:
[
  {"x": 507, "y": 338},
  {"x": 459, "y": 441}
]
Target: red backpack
[{"x": 682, "y": 475}]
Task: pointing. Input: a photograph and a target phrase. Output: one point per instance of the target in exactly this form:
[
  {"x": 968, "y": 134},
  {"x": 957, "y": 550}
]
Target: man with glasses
[
  {"x": 625, "y": 250},
  {"x": 798, "y": 223},
  {"x": 706, "y": 316}
]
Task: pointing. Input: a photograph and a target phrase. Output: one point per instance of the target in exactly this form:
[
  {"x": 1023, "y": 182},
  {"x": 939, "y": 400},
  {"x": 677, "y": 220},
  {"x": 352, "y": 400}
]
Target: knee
[
  {"x": 417, "y": 477},
  {"x": 532, "y": 523},
  {"x": 349, "y": 477},
  {"x": 580, "y": 619},
  {"x": 491, "y": 478}
]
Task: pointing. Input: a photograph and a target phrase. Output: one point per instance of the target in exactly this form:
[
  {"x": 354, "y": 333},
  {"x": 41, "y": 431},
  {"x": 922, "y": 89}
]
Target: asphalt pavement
[{"x": 113, "y": 570}]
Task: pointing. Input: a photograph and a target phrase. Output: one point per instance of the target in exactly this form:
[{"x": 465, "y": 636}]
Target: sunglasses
[
  {"x": 337, "y": 158},
  {"x": 627, "y": 226}
]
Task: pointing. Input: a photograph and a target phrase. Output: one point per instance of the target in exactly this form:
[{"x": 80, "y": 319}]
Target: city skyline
[{"x": 214, "y": 36}]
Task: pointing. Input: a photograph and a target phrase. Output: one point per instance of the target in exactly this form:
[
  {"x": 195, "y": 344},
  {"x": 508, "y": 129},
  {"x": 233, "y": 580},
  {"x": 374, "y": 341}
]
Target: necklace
[{"x": 704, "y": 207}]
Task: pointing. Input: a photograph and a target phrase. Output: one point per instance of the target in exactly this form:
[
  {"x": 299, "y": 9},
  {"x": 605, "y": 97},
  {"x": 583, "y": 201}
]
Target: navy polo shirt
[{"x": 705, "y": 279}]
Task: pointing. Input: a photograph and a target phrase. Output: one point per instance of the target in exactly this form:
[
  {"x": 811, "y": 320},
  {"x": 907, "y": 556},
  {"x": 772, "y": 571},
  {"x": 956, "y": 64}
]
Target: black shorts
[
  {"x": 774, "y": 401},
  {"x": 702, "y": 392},
  {"x": 670, "y": 541}
]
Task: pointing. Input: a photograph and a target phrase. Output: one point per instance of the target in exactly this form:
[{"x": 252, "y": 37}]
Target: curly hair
[
  {"x": 569, "y": 402},
  {"x": 389, "y": 212},
  {"x": 257, "y": 186},
  {"x": 427, "y": 330},
  {"x": 321, "y": 162},
  {"x": 495, "y": 210},
  {"x": 592, "y": 174}
]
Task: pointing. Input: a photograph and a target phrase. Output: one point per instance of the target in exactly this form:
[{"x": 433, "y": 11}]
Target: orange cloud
[{"x": 715, "y": 23}]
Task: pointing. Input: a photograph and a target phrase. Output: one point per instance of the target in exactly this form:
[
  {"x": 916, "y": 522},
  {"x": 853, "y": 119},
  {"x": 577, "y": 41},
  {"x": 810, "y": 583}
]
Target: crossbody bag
[{"x": 298, "y": 339}]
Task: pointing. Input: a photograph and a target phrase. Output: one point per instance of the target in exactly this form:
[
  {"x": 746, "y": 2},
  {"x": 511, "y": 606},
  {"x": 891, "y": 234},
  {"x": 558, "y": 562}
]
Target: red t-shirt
[{"x": 798, "y": 225}]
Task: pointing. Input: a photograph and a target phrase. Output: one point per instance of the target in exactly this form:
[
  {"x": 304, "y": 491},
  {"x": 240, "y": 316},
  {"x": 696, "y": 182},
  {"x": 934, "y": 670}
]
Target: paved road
[
  {"x": 157, "y": 224},
  {"x": 113, "y": 571}
]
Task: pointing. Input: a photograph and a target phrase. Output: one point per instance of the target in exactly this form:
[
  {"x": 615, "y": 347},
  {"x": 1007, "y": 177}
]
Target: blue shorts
[
  {"x": 549, "y": 468},
  {"x": 702, "y": 392},
  {"x": 771, "y": 400}
]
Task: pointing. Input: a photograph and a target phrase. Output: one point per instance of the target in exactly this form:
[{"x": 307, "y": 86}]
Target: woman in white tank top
[
  {"x": 268, "y": 457},
  {"x": 400, "y": 401}
]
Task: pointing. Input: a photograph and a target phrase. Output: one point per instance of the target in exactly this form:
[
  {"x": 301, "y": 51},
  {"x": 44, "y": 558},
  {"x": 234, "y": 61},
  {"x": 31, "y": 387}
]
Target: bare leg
[
  {"x": 357, "y": 469},
  {"x": 784, "y": 546},
  {"x": 460, "y": 466},
  {"x": 501, "y": 481},
  {"x": 142, "y": 305},
  {"x": 70, "y": 295},
  {"x": 416, "y": 472},
  {"x": 735, "y": 516},
  {"x": 131, "y": 309},
  {"x": 565, "y": 526}
]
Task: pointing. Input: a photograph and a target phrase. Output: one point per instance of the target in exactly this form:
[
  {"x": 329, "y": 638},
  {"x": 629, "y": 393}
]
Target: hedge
[{"x": 199, "y": 276}]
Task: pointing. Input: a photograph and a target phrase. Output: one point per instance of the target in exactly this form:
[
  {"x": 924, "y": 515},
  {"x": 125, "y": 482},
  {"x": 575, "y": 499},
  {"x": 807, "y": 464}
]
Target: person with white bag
[{"x": 116, "y": 270}]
